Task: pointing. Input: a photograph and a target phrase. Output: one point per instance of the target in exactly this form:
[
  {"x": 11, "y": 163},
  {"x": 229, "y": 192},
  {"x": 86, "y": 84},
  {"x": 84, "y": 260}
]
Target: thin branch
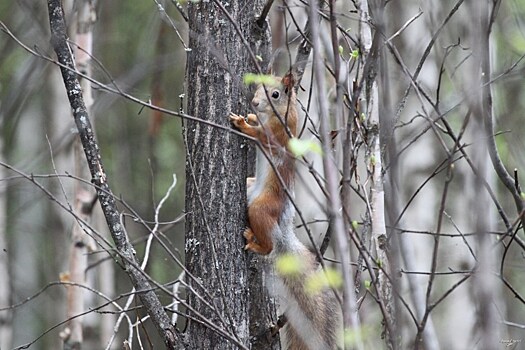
[
  {"x": 172, "y": 23},
  {"x": 179, "y": 8},
  {"x": 433, "y": 267},
  {"x": 261, "y": 20},
  {"x": 405, "y": 26},
  {"x": 425, "y": 55}
]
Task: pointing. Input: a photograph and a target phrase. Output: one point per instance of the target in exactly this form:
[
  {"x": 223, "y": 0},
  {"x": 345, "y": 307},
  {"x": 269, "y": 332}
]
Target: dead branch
[{"x": 148, "y": 297}]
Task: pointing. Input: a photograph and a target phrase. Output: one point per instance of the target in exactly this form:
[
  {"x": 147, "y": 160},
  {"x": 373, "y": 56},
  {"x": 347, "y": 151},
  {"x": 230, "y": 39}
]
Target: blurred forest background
[{"x": 137, "y": 46}]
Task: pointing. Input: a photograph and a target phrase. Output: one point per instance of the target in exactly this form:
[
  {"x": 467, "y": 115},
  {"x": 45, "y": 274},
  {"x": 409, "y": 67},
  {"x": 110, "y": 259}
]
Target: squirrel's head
[{"x": 281, "y": 95}]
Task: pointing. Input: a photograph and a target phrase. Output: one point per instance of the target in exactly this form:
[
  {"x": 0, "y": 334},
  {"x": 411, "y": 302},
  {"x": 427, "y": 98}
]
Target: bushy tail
[{"x": 313, "y": 316}]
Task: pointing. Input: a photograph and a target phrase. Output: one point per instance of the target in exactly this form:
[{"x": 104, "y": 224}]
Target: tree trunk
[
  {"x": 216, "y": 169},
  {"x": 6, "y": 317},
  {"x": 485, "y": 282},
  {"x": 375, "y": 169}
]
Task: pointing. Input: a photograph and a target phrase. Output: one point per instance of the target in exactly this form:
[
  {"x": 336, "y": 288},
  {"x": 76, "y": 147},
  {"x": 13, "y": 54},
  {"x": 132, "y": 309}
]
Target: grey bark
[{"x": 216, "y": 169}]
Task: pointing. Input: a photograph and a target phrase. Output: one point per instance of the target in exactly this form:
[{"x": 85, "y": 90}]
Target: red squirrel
[{"x": 312, "y": 317}]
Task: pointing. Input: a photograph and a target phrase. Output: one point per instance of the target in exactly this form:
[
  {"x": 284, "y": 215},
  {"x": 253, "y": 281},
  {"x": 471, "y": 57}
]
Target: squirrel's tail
[{"x": 312, "y": 316}]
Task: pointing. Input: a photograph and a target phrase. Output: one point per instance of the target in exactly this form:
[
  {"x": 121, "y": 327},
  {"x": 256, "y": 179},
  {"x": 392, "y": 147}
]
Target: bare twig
[
  {"x": 261, "y": 20},
  {"x": 179, "y": 8},
  {"x": 405, "y": 26},
  {"x": 433, "y": 266}
]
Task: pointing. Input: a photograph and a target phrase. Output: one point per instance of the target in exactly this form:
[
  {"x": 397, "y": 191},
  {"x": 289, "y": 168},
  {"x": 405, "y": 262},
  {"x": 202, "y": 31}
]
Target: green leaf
[
  {"x": 354, "y": 54},
  {"x": 350, "y": 336},
  {"x": 334, "y": 277},
  {"x": 379, "y": 263},
  {"x": 259, "y": 58},
  {"x": 340, "y": 49},
  {"x": 355, "y": 225},
  {"x": 288, "y": 265},
  {"x": 266, "y": 79},
  {"x": 301, "y": 147},
  {"x": 321, "y": 280},
  {"x": 373, "y": 160}
]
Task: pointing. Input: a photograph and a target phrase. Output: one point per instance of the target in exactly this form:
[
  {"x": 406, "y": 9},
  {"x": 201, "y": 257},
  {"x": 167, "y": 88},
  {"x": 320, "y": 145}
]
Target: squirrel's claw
[
  {"x": 237, "y": 120},
  {"x": 234, "y": 116}
]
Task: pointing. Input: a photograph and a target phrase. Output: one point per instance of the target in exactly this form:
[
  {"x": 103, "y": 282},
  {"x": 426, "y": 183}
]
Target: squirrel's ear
[
  {"x": 269, "y": 69},
  {"x": 288, "y": 80}
]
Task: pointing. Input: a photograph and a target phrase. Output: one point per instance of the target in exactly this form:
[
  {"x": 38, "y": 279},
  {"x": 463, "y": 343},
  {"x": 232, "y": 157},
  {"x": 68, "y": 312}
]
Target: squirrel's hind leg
[{"x": 254, "y": 245}]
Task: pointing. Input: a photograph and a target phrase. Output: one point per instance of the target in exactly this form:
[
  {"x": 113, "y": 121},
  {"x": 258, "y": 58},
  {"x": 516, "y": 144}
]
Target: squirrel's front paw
[{"x": 237, "y": 120}]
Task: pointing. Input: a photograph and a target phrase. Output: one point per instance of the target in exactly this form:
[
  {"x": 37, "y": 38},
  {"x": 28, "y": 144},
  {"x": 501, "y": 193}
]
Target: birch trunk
[
  {"x": 375, "y": 170},
  {"x": 85, "y": 195}
]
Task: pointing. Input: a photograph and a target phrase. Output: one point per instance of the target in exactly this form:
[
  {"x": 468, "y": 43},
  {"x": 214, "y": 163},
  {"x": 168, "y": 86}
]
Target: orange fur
[
  {"x": 312, "y": 318},
  {"x": 264, "y": 211}
]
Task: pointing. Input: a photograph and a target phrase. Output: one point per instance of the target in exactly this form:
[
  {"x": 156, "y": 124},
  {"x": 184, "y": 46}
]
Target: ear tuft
[{"x": 288, "y": 81}]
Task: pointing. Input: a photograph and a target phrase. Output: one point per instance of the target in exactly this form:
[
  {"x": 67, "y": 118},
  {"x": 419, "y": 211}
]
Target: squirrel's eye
[{"x": 275, "y": 94}]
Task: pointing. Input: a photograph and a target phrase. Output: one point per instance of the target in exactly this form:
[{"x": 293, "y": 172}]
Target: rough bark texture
[{"x": 216, "y": 170}]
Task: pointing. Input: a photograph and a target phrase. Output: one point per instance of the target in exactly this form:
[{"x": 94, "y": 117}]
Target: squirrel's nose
[{"x": 255, "y": 102}]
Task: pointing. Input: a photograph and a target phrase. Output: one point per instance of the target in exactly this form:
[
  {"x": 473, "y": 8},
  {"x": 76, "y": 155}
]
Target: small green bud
[{"x": 368, "y": 284}]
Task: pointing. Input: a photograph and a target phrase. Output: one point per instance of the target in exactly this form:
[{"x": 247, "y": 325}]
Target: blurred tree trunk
[
  {"x": 82, "y": 17},
  {"x": 6, "y": 322},
  {"x": 216, "y": 170},
  {"x": 25, "y": 240},
  {"x": 486, "y": 286}
]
